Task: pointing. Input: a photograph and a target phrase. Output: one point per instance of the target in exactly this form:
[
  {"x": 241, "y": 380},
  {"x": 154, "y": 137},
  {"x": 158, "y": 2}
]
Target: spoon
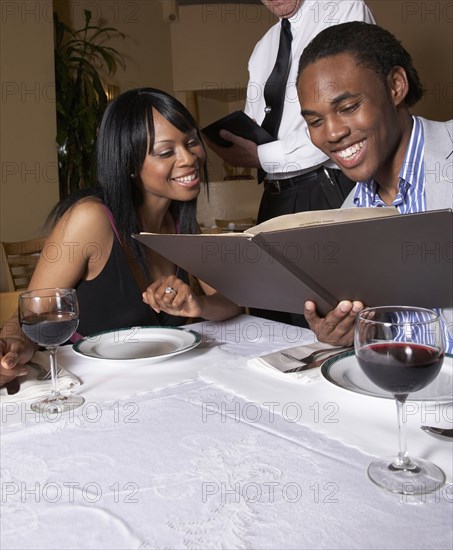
[{"x": 441, "y": 433}]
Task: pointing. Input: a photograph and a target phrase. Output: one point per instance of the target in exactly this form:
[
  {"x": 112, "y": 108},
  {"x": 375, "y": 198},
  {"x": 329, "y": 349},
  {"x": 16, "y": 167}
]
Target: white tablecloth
[{"x": 187, "y": 454}]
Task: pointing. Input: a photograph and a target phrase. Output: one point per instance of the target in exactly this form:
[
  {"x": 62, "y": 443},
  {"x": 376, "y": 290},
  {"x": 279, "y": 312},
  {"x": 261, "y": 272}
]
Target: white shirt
[{"x": 293, "y": 150}]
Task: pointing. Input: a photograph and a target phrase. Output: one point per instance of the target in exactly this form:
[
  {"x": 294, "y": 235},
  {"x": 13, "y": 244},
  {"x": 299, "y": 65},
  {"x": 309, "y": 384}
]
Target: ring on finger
[{"x": 169, "y": 290}]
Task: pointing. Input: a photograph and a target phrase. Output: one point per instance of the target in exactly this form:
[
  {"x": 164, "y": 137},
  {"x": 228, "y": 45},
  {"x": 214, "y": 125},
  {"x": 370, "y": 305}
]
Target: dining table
[{"x": 213, "y": 448}]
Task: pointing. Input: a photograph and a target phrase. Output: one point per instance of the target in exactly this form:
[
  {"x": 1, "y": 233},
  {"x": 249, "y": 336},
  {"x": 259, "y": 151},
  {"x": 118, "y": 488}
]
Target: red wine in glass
[
  {"x": 49, "y": 317},
  {"x": 401, "y": 350},
  {"x": 400, "y": 367},
  {"x": 50, "y": 329}
]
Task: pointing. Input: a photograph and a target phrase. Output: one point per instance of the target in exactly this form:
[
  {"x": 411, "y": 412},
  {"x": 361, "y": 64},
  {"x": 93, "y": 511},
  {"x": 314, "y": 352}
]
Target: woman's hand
[
  {"x": 6, "y": 374},
  {"x": 173, "y": 296},
  {"x": 14, "y": 353}
]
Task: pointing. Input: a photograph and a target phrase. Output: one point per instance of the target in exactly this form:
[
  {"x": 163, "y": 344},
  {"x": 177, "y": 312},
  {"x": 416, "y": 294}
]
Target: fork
[
  {"x": 318, "y": 362},
  {"x": 315, "y": 354},
  {"x": 44, "y": 373},
  {"x": 48, "y": 375}
]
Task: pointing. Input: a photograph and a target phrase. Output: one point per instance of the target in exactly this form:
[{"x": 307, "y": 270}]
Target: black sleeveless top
[{"x": 113, "y": 299}]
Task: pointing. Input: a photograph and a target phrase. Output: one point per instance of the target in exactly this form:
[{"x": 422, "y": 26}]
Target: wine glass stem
[
  {"x": 53, "y": 371},
  {"x": 402, "y": 459}
]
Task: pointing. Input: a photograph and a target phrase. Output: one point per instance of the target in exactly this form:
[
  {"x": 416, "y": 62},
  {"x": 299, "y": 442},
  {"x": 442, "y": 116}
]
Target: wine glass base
[
  {"x": 422, "y": 477},
  {"x": 57, "y": 404}
]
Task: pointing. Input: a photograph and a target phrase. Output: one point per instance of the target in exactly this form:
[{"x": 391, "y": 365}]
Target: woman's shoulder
[
  {"x": 87, "y": 217},
  {"x": 88, "y": 208}
]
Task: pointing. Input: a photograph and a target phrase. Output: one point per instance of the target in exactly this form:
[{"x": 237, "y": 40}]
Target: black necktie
[
  {"x": 274, "y": 91},
  {"x": 275, "y": 88}
]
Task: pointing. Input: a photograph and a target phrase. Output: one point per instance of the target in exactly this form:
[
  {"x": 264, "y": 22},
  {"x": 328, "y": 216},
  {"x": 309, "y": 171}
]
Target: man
[
  {"x": 364, "y": 84},
  {"x": 295, "y": 179},
  {"x": 297, "y": 175}
]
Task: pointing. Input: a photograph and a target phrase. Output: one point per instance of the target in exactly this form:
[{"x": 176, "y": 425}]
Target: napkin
[
  {"x": 32, "y": 388},
  {"x": 278, "y": 363}
]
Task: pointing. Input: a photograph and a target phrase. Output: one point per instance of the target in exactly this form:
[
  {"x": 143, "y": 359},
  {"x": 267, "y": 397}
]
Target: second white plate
[
  {"x": 144, "y": 345},
  {"x": 344, "y": 371}
]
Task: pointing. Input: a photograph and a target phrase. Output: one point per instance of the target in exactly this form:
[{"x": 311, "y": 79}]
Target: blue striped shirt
[
  {"x": 411, "y": 190},
  {"x": 411, "y": 185}
]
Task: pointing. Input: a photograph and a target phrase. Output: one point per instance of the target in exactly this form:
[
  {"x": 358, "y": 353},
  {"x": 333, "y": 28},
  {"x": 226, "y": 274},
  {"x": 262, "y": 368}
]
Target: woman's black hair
[
  {"x": 371, "y": 45},
  {"x": 126, "y": 136}
]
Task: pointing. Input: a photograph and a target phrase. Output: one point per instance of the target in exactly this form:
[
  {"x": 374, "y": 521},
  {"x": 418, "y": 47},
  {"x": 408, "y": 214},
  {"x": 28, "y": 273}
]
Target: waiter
[{"x": 295, "y": 174}]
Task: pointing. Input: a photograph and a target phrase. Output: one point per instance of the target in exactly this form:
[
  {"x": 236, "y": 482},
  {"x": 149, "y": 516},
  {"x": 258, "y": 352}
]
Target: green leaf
[{"x": 79, "y": 57}]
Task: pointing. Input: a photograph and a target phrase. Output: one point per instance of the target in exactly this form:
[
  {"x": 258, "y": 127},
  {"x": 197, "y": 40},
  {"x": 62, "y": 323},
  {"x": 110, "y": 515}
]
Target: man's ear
[{"x": 398, "y": 85}]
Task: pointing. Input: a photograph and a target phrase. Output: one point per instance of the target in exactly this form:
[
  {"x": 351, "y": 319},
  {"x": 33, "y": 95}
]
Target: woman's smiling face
[
  {"x": 172, "y": 169},
  {"x": 351, "y": 113}
]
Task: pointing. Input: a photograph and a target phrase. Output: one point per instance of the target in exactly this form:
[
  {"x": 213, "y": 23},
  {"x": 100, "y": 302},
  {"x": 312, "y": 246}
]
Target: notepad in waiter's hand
[{"x": 237, "y": 123}]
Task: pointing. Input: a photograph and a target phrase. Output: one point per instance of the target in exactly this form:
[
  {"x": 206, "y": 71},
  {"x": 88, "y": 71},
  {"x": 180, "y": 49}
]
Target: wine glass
[
  {"x": 401, "y": 350},
  {"x": 50, "y": 317}
]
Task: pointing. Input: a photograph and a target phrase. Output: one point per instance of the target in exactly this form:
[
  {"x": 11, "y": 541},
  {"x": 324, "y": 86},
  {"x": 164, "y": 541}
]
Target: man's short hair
[{"x": 371, "y": 45}]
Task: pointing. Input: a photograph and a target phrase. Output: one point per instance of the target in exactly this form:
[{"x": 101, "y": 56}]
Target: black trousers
[{"x": 315, "y": 190}]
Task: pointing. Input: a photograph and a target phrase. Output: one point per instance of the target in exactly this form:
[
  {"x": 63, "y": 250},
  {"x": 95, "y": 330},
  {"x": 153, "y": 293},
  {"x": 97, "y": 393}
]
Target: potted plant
[{"x": 80, "y": 55}]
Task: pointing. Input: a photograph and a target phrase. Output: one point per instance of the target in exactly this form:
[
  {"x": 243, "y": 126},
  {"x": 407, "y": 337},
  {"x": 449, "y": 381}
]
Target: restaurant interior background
[{"x": 197, "y": 50}]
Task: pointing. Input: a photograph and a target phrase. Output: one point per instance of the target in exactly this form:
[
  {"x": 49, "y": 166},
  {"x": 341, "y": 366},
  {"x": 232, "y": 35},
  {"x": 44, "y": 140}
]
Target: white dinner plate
[
  {"x": 344, "y": 371},
  {"x": 143, "y": 345}
]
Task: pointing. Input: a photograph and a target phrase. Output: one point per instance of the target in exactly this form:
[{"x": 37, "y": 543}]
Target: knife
[{"x": 441, "y": 433}]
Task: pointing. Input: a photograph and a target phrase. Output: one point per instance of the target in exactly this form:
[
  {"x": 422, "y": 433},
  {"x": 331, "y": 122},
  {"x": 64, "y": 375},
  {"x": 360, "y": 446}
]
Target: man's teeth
[
  {"x": 186, "y": 179},
  {"x": 350, "y": 151}
]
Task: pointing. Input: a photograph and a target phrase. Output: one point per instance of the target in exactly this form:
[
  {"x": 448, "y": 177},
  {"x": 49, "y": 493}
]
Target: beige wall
[
  {"x": 211, "y": 45},
  {"x": 29, "y": 185},
  {"x": 146, "y": 46},
  {"x": 425, "y": 28},
  {"x": 29, "y": 176}
]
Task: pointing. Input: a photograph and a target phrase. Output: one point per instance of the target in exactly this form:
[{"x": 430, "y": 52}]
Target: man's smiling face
[{"x": 351, "y": 113}]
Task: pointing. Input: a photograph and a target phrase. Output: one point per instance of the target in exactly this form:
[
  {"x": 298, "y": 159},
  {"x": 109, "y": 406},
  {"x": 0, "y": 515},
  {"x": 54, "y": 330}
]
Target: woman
[{"x": 150, "y": 162}]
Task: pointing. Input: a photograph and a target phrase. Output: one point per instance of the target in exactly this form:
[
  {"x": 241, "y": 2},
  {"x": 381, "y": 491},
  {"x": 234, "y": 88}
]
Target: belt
[{"x": 277, "y": 186}]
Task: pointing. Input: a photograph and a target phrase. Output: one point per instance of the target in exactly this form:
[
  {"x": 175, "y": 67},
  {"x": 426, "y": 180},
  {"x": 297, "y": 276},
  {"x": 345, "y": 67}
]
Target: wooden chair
[
  {"x": 8, "y": 305},
  {"x": 20, "y": 261}
]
